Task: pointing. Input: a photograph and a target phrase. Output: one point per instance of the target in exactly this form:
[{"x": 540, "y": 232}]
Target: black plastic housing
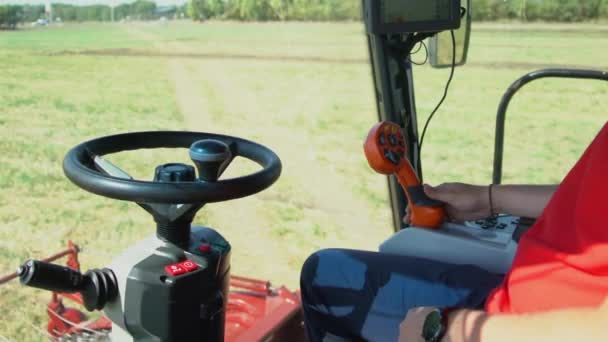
[
  {"x": 374, "y": 22},
  {"x": 97, "y": 286},
  {"x": 185, "y": 307}
]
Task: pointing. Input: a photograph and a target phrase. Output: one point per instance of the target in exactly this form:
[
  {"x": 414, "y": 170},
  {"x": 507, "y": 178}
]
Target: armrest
[{"x": 491, "y": 248}]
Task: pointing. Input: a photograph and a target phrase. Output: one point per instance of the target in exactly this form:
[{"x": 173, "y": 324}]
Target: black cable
[
  {"x": 426, "y": 54},
  {"x": 445, "y": 94},
  {"x": 403, "y": 49},
  {"x": 418, "y": 49}
]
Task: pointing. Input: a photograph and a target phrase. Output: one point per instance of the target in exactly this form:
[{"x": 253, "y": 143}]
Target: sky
[{"x": 89, "y": 2}]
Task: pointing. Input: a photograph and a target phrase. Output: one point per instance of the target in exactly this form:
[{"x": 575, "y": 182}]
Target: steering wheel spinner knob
[{"x": 211, "y": 157}]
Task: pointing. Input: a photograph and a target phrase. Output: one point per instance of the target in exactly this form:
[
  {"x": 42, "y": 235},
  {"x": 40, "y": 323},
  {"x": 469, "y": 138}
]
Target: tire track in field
[
  {"x": 236, "y": 220},
  {"x": 212, "y": 98},
  {"x": 322, "y": 195}
]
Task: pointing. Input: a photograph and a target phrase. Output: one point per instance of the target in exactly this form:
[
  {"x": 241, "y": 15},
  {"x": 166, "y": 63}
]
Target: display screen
[{"x": 405, "y": 11}]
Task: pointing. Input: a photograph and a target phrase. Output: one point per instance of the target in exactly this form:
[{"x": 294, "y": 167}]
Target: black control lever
[
  {"x": 211, "y": 158},
  {"x": 97, "y": 287}
]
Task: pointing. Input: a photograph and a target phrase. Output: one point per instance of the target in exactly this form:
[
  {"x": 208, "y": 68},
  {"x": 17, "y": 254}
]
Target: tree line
[
  {"x": 263, "y": 10},
  {"x": 540, "y": 10},
  {"x": 314, "y": 10},
  {"x": 326, "y": 10},
  {"x": 11, "y": 15},
  {"x": 81, "y": 13}
]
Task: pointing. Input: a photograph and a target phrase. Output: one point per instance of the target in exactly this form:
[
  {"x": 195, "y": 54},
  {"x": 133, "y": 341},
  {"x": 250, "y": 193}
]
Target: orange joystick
[{"x": 385, "y": 151}]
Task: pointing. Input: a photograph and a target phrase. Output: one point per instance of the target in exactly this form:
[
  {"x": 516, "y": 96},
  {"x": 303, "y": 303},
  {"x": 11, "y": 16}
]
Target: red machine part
[
  {"x": 262, "y": 313},
  {"x": 255, "y": 311}
]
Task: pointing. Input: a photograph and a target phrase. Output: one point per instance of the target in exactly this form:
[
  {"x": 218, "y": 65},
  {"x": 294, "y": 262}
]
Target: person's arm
[
  {"x": 587, "y": 324},
  {"x": 464, "y": 202},
  {"x": 522, "y": 200}
]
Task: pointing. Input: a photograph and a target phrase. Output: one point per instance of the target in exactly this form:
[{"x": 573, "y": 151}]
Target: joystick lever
[
  {"x": 211, "y": 158},
  {"x": 97, "y": 287},
  {"x": 385, "y": 152}
]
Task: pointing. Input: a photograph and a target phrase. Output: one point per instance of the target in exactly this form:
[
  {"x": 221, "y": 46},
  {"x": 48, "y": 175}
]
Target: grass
[{"x": 302, "y": 89}]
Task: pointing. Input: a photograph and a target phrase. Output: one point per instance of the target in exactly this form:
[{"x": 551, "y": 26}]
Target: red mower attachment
[{"x": 255, "y": 311}]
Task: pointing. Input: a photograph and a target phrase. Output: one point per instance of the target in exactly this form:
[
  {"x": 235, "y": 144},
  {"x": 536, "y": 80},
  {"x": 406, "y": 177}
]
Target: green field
[{"x": 304, "y": 90}]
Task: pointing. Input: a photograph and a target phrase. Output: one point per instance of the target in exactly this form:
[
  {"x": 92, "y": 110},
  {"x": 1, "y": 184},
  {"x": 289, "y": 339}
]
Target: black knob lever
[
  {"x": 97, "y": 287},
  {"x": 211, "y": 157}
]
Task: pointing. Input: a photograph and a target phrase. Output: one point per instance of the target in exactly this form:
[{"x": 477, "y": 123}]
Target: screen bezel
[{"x": 376, "y": 23}]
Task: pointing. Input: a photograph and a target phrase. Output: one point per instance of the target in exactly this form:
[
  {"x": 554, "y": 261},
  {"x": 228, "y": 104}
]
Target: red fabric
[{"x": 562, "y": 261}]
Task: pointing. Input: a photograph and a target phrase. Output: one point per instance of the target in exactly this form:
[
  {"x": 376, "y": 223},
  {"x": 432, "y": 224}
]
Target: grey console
[{"x": 488, "y": 243}]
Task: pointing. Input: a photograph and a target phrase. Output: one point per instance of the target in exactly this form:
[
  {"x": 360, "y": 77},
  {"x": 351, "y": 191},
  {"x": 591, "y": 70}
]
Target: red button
[
  {"x": 204, "y": 247},
  {"x": 188, "y": 265},
  {"x": 175, "y": 269}
]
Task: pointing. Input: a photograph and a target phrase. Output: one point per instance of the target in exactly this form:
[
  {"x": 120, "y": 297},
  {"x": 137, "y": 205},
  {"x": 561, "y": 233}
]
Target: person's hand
[
  {"x": 410, "y": 329},
  {"x": 463, "y": 202}
]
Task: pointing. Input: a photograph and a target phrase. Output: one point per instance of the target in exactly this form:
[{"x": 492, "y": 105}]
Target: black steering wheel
[{"x": 80, "y": 167}]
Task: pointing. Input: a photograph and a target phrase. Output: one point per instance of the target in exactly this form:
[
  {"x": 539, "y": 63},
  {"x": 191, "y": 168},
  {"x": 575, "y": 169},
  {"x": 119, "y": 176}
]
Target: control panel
[
  {"x": 488, "y": 243},
  {"x": 172, "y": 293},
  {"x": 499, "y": 229}
]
